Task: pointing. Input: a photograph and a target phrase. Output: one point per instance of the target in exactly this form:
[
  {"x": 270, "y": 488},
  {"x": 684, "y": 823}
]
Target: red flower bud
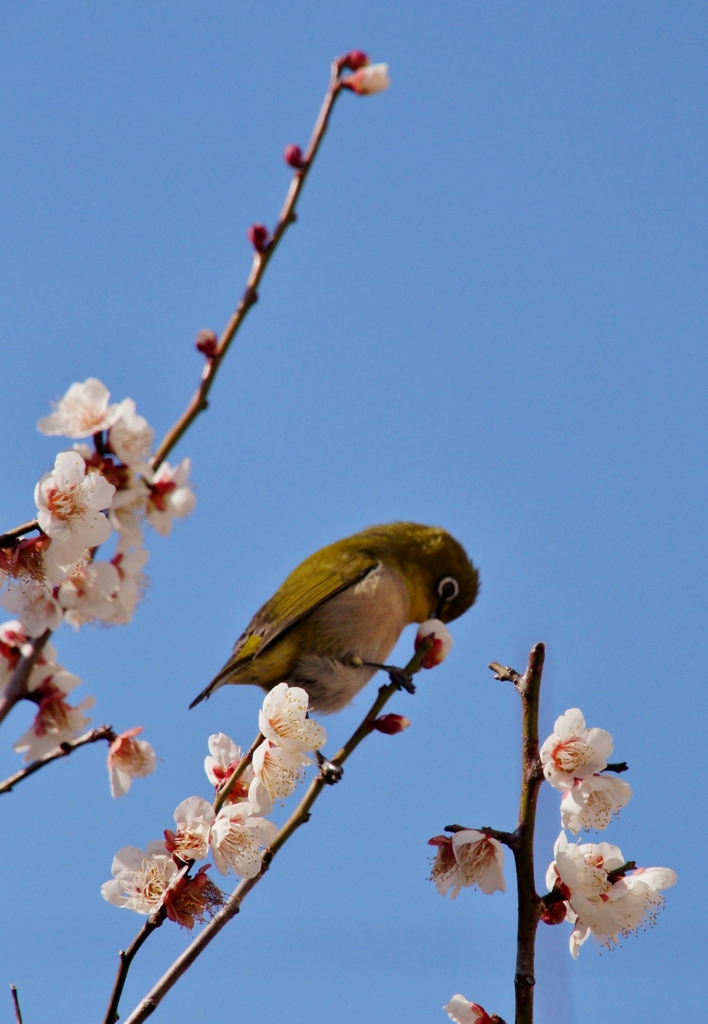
[
  {"x": 391, "y": 724},
  {"x": 258, "y": 236},
  {"x": 355, "y": 59},
  {"x": 293, "y": 156},
  {"x": 207, "y": 343},
  {"x": 555, "y": 914}
]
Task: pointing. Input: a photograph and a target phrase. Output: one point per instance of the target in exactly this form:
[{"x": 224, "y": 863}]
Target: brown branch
[
  {"x": 154, "y": 997},
  {"x": 8, "y": 539},
  {"x": 530, "y": 905},
  {"x": 240, "y": 769},
  {"x": 16, "y": 1004},
  {"x": 17, "y": 687},
  {"x": 125, "y": 958},
  {"x": 103, "y": 732},
  {"x": 510, "y": 839}
]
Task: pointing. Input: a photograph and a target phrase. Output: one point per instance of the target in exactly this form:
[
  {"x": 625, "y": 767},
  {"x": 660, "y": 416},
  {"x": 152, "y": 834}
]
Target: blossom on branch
[
  {"x": 140, "y": 880},
  {"x": 442, "y": 642},
  {"x": 88, "y": 593},
  {"x": 129, "y": 759},
  {"x": 131, "y": 437},
  {"x": 131, "y": 586},
  {"x": 190, "y": 840},
  {"x": 276, "y": 772},
  {"x": 283, "y": 720},
  {"x": 15, "y": 644},
  {"x": 56, "y": 722},
  {"x": 469, "y": 858},
  {"x": 84, "y": 410},
  {"x": 591, "y": 803},
  {"x": 170, "y": 495},
  {"x": 573, "y": 752},
  {"x": 237, "y": 836},
  {"x": 462, "y": 1011},
  {"x": 34, "y": 604},
  {"x": 391, "y": 724},
  {"x": 26, "y": 560},
  {"x": 189, "y": 900},
  {"x": 368, "y": 80},
  {"x": 223, "y": 760},
  {"x": 70, "y": 501}
]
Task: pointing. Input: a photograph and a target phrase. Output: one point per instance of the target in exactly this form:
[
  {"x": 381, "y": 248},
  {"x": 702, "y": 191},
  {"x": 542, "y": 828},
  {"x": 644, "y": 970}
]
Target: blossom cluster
[{"x": 236, "y": 834}]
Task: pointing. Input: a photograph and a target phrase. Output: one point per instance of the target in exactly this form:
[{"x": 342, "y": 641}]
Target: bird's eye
[{"x": 448, "y": 588}]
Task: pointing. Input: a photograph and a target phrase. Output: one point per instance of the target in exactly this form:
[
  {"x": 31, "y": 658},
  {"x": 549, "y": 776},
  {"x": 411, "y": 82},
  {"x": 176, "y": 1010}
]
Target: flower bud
[
  {"x": 555, "y": 914},
  {"x": 258, "y": 236},
  {"x": 368, "y": 80},
  {"x": 293, "y": 156},
  {"x": 391, "y": 724},
  {"x": 442, "y": 642},
  {"x": 207, "y": 343},
  {"x": 354, "y": 60}
]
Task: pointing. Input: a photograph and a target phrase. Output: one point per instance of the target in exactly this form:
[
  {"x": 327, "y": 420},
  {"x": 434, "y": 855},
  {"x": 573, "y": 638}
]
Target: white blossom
[
  {"x": 140, "y": 880},
  {"x": 591, "y": 803},
  {"x": 56, "y": 722},
  {"x": 34, "y": 604},
  {"x": 442, "y": 642},
  {"x": 84, "y": 410},
  {"x": 129, "y": 759},
  {"x": 70, "y": 501},
  {"x": 276, "y": 772},
  {"x": 131, "y": 586},
  {"x": 131, "y": 437},
  {"x": 237, "y": 837},
  {"x": 193, "y": 820},
  {"x": 370, "y": 79},
  {"x": 222, "y": 762},
  {"x": 469, "y": 858},
  {"x": 573, "y": 752},
  {"x": 283, "y": 720},
  {"x": 89, "y": 593},
  {"x": 170, "y": 495},
  {"x": 462, "y": 1011}
]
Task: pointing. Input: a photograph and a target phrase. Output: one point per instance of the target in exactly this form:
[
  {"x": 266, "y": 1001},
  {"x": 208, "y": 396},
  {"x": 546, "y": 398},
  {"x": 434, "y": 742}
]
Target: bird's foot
[
  {"x": 400, "y": 679},
  {"x": 328, "y": 771}
]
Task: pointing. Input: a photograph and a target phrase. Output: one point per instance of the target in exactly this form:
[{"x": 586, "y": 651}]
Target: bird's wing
[{"x": 304, "y": 590}]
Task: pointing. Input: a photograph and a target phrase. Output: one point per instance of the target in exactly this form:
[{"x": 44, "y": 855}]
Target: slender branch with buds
[
  {"x": 103, "y": 732},
  {"x": 17, "y": 687}
]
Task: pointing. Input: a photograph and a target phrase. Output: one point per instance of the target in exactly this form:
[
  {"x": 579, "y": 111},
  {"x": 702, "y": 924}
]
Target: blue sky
[{"x": 490, "y": 315}]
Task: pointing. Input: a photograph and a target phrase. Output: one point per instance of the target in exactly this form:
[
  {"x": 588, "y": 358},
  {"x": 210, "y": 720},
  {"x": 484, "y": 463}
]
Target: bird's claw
[{"x": 329, "y": 772}]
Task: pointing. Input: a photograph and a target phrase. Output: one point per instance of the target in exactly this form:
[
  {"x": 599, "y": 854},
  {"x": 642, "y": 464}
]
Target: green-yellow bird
[{"x": 339, "y": 614}]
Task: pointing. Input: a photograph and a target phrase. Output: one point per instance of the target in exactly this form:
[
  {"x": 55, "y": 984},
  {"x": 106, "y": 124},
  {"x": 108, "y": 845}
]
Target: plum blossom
[
  {"x": 189, "y": 900},
  {"x": 56, "y": 722},
  {"x": 193, "y": 819},
  {"x": 70, "y": 501},
  {"x": 131, "y": 436},
  {"x": 602, "y": 899},
  {"x": 237, "y": 837},
  {"x": 462, "y": 1011},
  {"x": 591, "y": 803},
  {"x": 34, "y": 604},
  {"x": 84, "y": 410},
  {"x": 573, "y": 752},
  {"x": 140, "y": 880},
  {"x": 442, "y": 642},
  {"x": 368, "y": 80},
  {"x": 283, "y": 720},
  {"x": 25, "y": 560},
  {"x": 170, "y": 495},
  {"x": 89, "y": 593},
  {"x": 131, "y": 586},
  {"x": 469, "y": 858},
  {"x": 222, "y": 762},
  {"x": 276, "y": 771},
  {"x": 14, "y": 644},
  {"x": 129, "y": 759}
]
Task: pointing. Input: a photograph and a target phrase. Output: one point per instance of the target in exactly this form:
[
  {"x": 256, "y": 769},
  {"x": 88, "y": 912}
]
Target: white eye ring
[{"x": 448, "y": 588}]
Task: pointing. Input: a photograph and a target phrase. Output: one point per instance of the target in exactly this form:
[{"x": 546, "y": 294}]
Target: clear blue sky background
[{"x": 491, "y": 315}]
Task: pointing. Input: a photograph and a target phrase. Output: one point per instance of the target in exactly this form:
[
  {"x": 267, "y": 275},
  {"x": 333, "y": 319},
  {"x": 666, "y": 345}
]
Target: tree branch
[
  {"x": 9, "y": 538},
  {"x": 240, "y": 769},
  {"x": 103, "y": 732},
  {"x": 147, "y": 1005},
  {"x": 17, "y": 687},
  {"x": 16, "y": 1004},
  {"x": 125, "y": 958}
]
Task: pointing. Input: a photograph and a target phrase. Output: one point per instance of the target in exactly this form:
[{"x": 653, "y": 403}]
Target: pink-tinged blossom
[
  {"x": 591, "y": 803},
  {"x": 276, "y": 772},
  {"x": 131, "y": 587},
  {"x": 462, "y": 1011},
  {"x": 89, "y": 593},
  {"x": 84, "y": 410},
  {"x": 573, "y": 752},
  {"x": 15, "y": 644},
  {"x": 70, "y": 501},
  {"x": 237, "y": 837},
  {"x": 283, "y": 720},
  {"x": 258, "y": 236},
  {"x": 190, "y": 838},
  {"x": 25, "y": 560},
  {"x": 368, "y": 80},
  {"x": 131, "y": 437},
  {"x": 442, "y": 642},
  {"x": 129, "y": 759},
  {"x": 35, "y": 606},
  {"x": 390, "y": 724},
  {"x": 189, "y": 900},
  {"x": 469, "y": 858},
  {"x": 56, "y": 722},
  {"x": 600, "y": 902},
  {"x": 223, "y": 760},
  {"x": 170, "y": 496},
  {"x": 354, "y": 60},
  {"x": 140, "y": 880}
]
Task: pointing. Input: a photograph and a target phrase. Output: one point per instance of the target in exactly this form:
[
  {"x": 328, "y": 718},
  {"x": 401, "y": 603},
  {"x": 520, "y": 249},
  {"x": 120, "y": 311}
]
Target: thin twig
[
  {"x": 240, "y": 769},
  {"x": 147, "y": 1005},
  {"x": 17, "y": 687},
  {"x": 16, "y": 1004},
  {"x": 103, "y": 732},
  {"x": 8, "y": 539},
  {"x": 510, "y": 839},
  {"x": 125, "y": 958}
]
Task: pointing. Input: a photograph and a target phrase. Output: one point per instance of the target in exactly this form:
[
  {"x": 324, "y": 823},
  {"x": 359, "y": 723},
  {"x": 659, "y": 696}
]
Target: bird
[{"x": 335, "y": 619}]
